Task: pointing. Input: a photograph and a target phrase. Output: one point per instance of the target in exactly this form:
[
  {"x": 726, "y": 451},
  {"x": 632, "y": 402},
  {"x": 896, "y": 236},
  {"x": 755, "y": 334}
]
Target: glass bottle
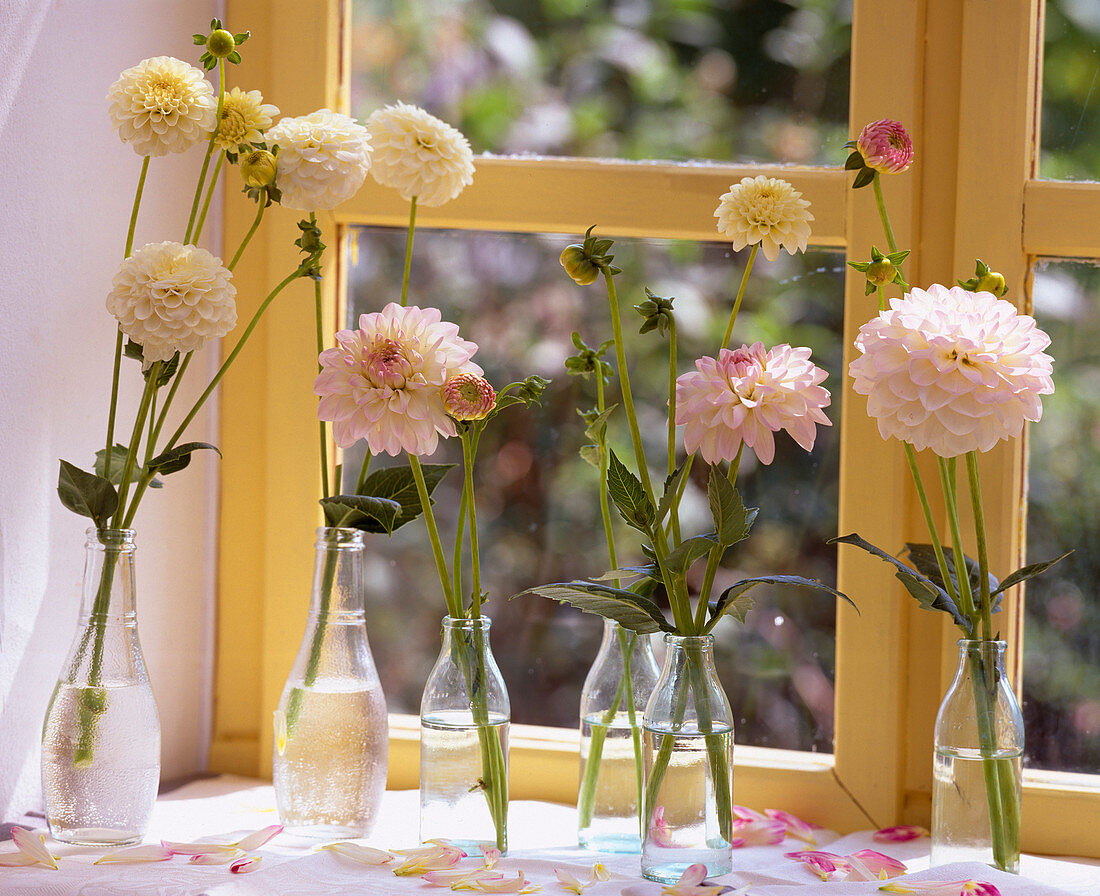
[
  {"x": 331, "y": 745},
  {"x": 688, "y": 737},
  {"x": 101, "y": 736},
  {"x": 979, "y": 746},
  {"x": 464, "y": 720},
  {"x": 613, "y": 702}
]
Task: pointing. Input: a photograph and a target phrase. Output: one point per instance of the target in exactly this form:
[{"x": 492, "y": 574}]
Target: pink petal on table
[
  {"x": 517, "y": 884},
  {"x": 882, "y": 866},
  {"x": 691, "y": 883},
  {"x": 899, "y": 834},
  {"x": 357, "y": 852},
  {"x": 490, "y": 854},
  {"x": 34, "y": 846},
  {"x": 438, "y": 858},
  {"x": 135, "y": 855},
  {"x": 218, "y": 858},
  {"x": 820, "y": 863},
  {"x": 942, "y": 888},
  {"x": 258, "y": 838},
  {"x": 796, "y": 827},
  {"x": 243, "y": 866},
  {"x": 762, "y": 832},
  {"x": 198, "y": 849},
  {"x": 750, "y": 814},
  {"x": 461, "y": 878},
  {"x": 570, "y": 883},
  {"x": 16, "y": 859}
]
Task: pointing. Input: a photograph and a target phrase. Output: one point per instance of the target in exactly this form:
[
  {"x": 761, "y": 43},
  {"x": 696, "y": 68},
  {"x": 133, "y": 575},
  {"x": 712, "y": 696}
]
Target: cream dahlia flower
[
  {"x": 745, "y": 396},
  {"x": 323, "y": 159},
  {"x": 885, "y": 146},
  {"x": 171, "y": 298},
  {"x": 765, "y": 210},
  {"x": 244, "y": 118},
  {"x": 419, "y": 155},
  {"x": 162, "y": 105},
  {"x": 383, "y": 382},
  {"x": 952, "y": 370}
]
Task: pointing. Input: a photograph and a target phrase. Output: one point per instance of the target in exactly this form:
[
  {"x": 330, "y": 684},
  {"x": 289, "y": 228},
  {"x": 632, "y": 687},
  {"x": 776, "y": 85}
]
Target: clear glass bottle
[
  {"x": 331, "y": 746},
  {"x": 613, "y": 702},
  {"x": 464, "y": 720},
  {"x": 979, "y": 747},
  {"x": 688, "y": 765},
  {"x": 101, "y": 736}
]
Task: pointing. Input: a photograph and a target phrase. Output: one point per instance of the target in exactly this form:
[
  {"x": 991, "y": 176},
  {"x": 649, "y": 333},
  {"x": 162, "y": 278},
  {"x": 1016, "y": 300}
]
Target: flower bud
[
  {"x": 467, "y": 396},
  {"x": 220, "y": 43},
  {"x": 881, "y": 272},
  {"x": 578, "y": 265},
  {"x": 992, "y": 282},
  {"x": 258, "y": 168}
]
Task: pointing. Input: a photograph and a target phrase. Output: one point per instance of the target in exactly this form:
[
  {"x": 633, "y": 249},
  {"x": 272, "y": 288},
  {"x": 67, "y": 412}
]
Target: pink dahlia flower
[
  {"x": 745, "y": 396},
  {"x": 383, "y": 382},
  {"x": 885, "y": 146},
  {"x": 467, "y": 396},
  {"x": 952, "y": 370}
]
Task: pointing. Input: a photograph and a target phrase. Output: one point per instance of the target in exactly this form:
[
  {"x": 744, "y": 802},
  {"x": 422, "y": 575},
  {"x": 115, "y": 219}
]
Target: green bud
[
  {"x": 881, "y": 272},
  {"x": 992, "y": 282},
  {"x": 258, "y": 168},
  {"x": 220, "y": 43},
  {"x": 578, "y": 265}
]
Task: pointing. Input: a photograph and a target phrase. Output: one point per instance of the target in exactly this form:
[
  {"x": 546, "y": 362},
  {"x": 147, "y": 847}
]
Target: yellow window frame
[{"x": 973, "y": 192}]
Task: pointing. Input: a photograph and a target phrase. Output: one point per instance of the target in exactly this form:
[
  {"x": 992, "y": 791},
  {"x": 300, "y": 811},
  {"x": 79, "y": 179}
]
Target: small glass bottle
[
  {"x": 688, "y": 765},
  {"x": 101, "y": 736},
  {"x": 979, "y": 746},
  {"x": 331, "y": 730},
  {"x": 613, "y": 701},
  {"x": 464, "y": 721}
]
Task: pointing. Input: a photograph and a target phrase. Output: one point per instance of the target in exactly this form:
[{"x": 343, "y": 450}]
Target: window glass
[
  {"x": 537, "y": 502},
  {"x": 1062, "y": 633},
  {"x": 763, "y": 80},
  {"x": 1071, "y": 91}
]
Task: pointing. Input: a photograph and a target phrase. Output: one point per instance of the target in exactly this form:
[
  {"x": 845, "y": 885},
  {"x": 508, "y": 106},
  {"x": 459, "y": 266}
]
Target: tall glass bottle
[
  {"x": 464, "y": 721},
  {"x": 979, "y": 747},
  {"x": 331, "y": 730},
  {"x": 688, "y": 765},
  {"x": 101, "y": 736},
  {"x": 613, "y": 701}
]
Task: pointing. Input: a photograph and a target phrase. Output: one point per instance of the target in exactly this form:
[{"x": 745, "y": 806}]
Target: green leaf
[
  {"x": 363, "y": 512},
  {"x": 628, "y": 608},
  {"x": 1027, "y": 572},
  {"x": 927, "y": 593},
  {"x": 179, "y": 457},
  {"x": 631, "y": 572},
  {"x": 591, "y": 454},
  {"x": 923, "y": 558},
  {"x": 671, "y": 491},
  {"x": 597, "y": 426},
  {"x": 854, "y": 161},
  {"x": 679, "y": 561},
  {"x": 133, "y": 350},
  {"x": 86, "y": 494},
  {"x": 732, "y": 601},
  {"x": 865, "y": 176},
  {"x": 397, "y": 484},
  {"x": 732, "y": 520},
  {"x": 167, "y": 370},
  {"x": 629, "y": 496},
  {"x": 118, "y": 462}
]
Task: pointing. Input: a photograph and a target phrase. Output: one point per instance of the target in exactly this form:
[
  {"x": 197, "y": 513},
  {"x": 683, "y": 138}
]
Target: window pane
[
  {"x": 763, "y": 80},
  {"x": 1071, "y": 91},
  {"x": 537, "y": 503},
  {"x": 1062, "y": 631}
]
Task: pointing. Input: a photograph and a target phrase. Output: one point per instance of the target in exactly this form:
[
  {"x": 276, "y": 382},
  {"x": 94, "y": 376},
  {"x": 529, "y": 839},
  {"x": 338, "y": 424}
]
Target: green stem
[
  {"x": 408, "y": 253},
  {"x": 137, "y": 205},
  {"x": 674, "y": 511},
  {"x": 929, "y": 520},
  {"x": 471, "y": 510},
  {"x": 740, "y": 294},
  {"x": 883, "y": 215},
  {"x": 947, "y": 480},
  {"x": 209, "y": 152},
  {"x": 209, "y": 195},
  {"x": 180, "y": 371},
  {"x": 248, "y": 236},
  {"x": 714, "y": 556},
  {"x": 454, "y": 608},
  {"x": 364, "y": 469},
  {"x": 328, "y": 577},
  {"x": 131, "y": 453},
  {"x": 984, "y": 603},
  {"x": 318, "y": 313}
]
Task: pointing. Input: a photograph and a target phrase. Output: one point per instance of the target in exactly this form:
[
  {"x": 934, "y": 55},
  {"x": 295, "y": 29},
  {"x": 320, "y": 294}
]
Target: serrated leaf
[
  {"x": 598, "y": 425},
  {"x": 397, "y": 484},
  {"x": 1027, "y": 572},
  {"x": 671, "y": 490},
  {"x": 86, "y": 494},
  {"x": 732, "y": 520},
  {"x": 630, "y": 498},
  {"x": 179, "y": 457},
  {"x": 737, "y": 606},
  {"x": 628, "y": 608},
  {"x": 732, "y": 602},
  {"x": 363, "y": 512},
  {"x": 927, "y": 593},
  {"x": 923, "y": 558},
  {"x": 630, "y": 572},
  {"x": 688, "y": 551}
]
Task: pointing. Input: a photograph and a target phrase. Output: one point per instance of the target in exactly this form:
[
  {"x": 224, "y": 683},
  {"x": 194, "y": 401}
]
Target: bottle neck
[
  {"x": 108, "y": 575},
  {"x": 337, "y": 574}
]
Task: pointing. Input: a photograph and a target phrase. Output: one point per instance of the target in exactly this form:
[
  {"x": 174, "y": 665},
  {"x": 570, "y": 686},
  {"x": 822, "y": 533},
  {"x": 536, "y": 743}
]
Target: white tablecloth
[{"x": 541, "y": 838}]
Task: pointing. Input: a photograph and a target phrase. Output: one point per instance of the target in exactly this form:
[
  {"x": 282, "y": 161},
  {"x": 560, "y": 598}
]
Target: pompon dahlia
[
  {"x": 162, "y": 105},
  {"x": 419, "y": 155},
  {"x": 171, "y": 298},
  {"x": 952, "y": 370},
  {"x": 467, "y": 396},
  {"x": 745, "y": 396},
  {"x": 244, "y": 118},
  {"x": 383, "y": 382},
  {"x": 765, "y": 210},
  {"x": 885, "y": 146},
  {"x": 323, "y": 159}
]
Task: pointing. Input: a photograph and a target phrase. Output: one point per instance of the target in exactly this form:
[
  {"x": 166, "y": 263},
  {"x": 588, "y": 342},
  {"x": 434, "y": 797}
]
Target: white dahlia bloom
[
  {"x": 745, "y": 396},
  {"x": 162, "y": 105},
  {"x": 244, "y": 118},
  {"x": 383, "y": 382},
  {"x": 419, "y": 155},
  {"x": 765, "y": 210},
  {"x": 323, "y": 159},
  {"x": 171, "y": 298},
  {"x": 952, "y": 370}
]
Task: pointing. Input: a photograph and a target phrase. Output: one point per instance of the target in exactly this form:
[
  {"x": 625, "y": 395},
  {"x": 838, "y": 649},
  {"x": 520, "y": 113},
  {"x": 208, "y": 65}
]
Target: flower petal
[
  {"x": 33, "y": 846},
  {"x": 243, "y": 866},
  {"x": 357, "y": 852},
  {"x": 136, "y": 855},
  {"x": 218, "y": 858},
  {"x": 899, "y": 833},
  {"x": 16, "y": 859},
  {"x": 258, "y": 838},
  {"x": 198, "y": 849}
]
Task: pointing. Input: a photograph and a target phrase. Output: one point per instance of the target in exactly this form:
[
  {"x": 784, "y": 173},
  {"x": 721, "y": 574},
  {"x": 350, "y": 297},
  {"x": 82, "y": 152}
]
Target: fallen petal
[
  {"x": 691, "y": 883},
  {"x": 34, "y": 846},
  {"x": 518, "y": 884},
  {"x": 760, "y": 832},
  {"x": 461, "y": 878},
  {"x": 820, "y": 863},
  {"x": 198, "y": 849},
  {"x": 258, "y": 838},
  {"x": 135, "y": 855},
  {"x": 796, "y": 827},
  {"x": 16, "y": 859},
  {"x": 357, "y": 852},
  {"x": 942, "y": 888},
  {"x": 243, "y": 866},
  {"x": 568, "y": 882},
  {"x": 882, "y": 866},
  {"x": 600, "y": 873},
  {"x": 899, "y": 833},
  {"x": 218, "y": 858},
  {"x": 490, "y": 854}
]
